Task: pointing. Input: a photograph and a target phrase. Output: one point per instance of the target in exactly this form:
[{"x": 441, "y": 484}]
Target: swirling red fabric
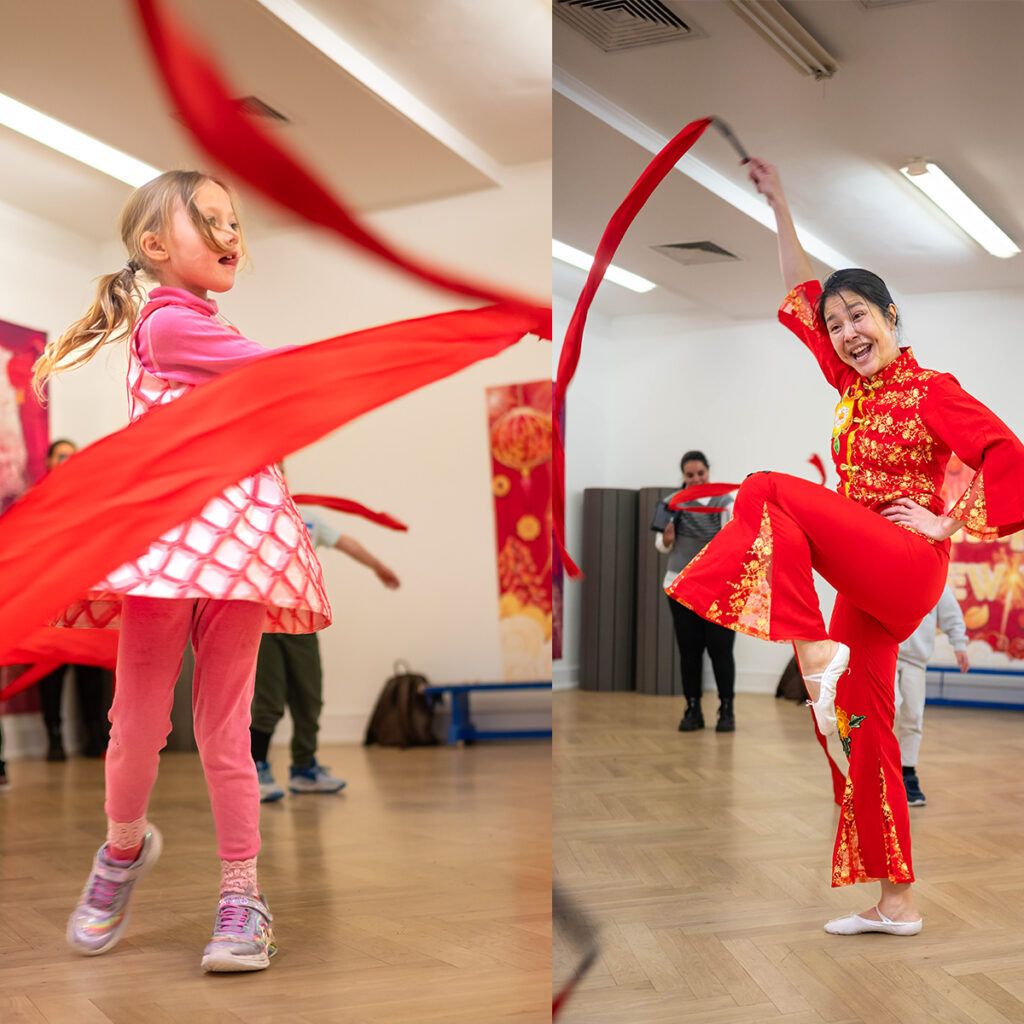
[
  {"x": 350, "y": 507},
  {"x": 105, "y": 505},
  {"x": 570, "y": 356}
]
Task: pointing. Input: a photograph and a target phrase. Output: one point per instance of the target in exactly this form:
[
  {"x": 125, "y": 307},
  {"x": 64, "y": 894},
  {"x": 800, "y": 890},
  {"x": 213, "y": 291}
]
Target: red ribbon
[
  {"x": 104, "y": 506},
  {"x": 613, "y": 233},
  {"x": 351, "y": 507},
  {"x": 108, "y": 503},
  {"x": 48, "y": 648},
  {"x": 680, "y": 498},
  {"x": 205, "y": 102}
]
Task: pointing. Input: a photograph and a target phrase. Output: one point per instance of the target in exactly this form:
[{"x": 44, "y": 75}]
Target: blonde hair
[{"x": 119, "y": 296}]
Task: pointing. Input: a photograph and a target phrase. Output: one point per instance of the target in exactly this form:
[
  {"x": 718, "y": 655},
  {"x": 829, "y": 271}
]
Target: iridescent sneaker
[
  {"x": 101, "y": 916},
  {"x": 243, "y": 939},
  {"x": 314, "y": 779}
]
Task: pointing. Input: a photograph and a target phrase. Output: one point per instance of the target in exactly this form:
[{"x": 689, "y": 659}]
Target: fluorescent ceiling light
[
  {"x": 770, "y": 20},
  {"x": 942, "y": 191},
  {"x": 743, "y": 199},
  {"x": 352, "y": 62},
  {"x": 578, "y": 258},
  {"x": 73, "y": 143}
]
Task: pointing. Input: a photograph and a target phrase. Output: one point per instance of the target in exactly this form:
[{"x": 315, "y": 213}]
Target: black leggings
[{"x": 694, "y": 635}]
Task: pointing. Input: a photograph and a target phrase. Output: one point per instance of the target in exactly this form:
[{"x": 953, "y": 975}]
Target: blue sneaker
[
  {"x": 269, "y": 789},
  {"x": 915, "y": 798},
  {"x": 314, "y": 779},
  {"x": 101, "y": 916}
]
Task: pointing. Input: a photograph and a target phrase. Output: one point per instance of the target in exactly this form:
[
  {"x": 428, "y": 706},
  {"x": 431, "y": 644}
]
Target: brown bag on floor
[
  {"x": 404, "y": 715},
  {"x": 791, "y": 685}
]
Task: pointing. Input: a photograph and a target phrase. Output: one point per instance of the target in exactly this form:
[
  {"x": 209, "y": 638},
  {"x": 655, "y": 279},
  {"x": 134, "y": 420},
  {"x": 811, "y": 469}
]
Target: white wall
[
  {"x": 424, "y": 458},
  {"x": 751, "y": 397}
]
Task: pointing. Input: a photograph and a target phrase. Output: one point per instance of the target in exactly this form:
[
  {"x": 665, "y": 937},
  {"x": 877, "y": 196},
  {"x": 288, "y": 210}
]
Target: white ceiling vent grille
[
  {"x": 622, "y": 24},
  {"x": 692, "y": 254}
]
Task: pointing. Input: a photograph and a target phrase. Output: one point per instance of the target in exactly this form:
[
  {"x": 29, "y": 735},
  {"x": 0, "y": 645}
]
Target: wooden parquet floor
[
  {"x": 418, "y": 895},
  {"x": 704, "y": 859}
]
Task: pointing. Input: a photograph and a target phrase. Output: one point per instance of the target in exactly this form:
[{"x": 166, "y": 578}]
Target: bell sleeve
[
  {"x": 993, "y": 503},
  {"x": 798, "y": 312}
]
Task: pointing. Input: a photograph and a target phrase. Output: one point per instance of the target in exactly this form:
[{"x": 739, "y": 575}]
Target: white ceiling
[
  {"x": 942, "y": 79},
  {"x": 483, "y": 68}
]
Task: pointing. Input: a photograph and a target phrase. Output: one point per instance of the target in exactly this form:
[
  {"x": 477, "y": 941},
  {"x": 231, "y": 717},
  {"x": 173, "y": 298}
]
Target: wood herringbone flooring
[
  {"x": 704, "y": 859},
  {"x": 418, "y": 895}
]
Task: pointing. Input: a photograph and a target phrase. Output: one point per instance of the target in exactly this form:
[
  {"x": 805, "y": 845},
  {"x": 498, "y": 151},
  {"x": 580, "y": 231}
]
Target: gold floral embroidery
[
  {"x": 751, "y": 600},
  {"x": 847, "y": 866},
  {"x": 899, "y": 870},
  {"x": 796, "y": 304},
  {"x": 847, "y": 863},
  {"x": 747, "y": 609},
  {"x": 971, "y": 510}
]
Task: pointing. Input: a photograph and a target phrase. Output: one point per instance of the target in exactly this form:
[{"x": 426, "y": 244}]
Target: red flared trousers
[{"x": 755, "y": 577}]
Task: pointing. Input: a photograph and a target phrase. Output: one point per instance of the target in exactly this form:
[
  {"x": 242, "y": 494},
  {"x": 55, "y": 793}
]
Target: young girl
[{"x": 243, "y": 566}]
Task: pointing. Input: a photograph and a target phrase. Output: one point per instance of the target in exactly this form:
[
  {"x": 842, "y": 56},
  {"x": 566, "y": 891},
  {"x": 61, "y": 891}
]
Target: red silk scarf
[
  {"x": 109, "y": 502},
  {"x": 680, "y": 498},
  {"x": 205, "y": 102},
  {"x": 570, "y": 357},
  {"x": 105, "y": 505},
  {"x": 351, "y": 507}
]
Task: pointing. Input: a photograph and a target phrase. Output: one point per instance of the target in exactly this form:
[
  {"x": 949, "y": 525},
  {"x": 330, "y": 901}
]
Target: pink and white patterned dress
[{"x": 248, "y": 543}]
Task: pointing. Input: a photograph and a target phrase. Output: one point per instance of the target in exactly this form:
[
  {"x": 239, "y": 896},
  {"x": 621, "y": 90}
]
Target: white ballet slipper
[
  {"x": 825, "y": 706},
  {"x": 857, "y": 925}
]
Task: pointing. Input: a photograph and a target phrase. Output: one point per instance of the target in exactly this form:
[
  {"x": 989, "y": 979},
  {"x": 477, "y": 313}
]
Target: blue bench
[
  {"x": 462, "y": 730},
  {"x": 953, "y": 671}
]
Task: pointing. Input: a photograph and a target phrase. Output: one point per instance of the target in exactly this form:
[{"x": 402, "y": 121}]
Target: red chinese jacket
[{"x": 894, "y": 432}]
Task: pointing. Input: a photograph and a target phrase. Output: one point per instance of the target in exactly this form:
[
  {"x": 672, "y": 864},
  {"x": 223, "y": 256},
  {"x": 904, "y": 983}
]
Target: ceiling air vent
[
  {"x": 692, "y": 254},
  {"x": 622, "y": 24}
]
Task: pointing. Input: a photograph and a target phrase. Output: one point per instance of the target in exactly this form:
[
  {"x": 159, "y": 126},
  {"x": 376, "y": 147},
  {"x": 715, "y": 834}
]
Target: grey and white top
[{"x": 693, "y": 531}]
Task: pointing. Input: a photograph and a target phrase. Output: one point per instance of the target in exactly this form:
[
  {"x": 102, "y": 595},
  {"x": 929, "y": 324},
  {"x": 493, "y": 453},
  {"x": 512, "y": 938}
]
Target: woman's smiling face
[{"x": 863, "y": 336}]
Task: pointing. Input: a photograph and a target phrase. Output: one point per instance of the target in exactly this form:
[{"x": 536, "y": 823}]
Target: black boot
[
  {"x": 726, "y": 721},
  {"x": 56, "y": 751},
  {"x": 693, "y": 719},
  {"x": 97, "y": 735}
]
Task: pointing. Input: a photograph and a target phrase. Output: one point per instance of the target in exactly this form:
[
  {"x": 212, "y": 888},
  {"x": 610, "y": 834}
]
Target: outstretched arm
[
  {"x": 796, "y": 267},
  {"x": 352, "y": 548}
]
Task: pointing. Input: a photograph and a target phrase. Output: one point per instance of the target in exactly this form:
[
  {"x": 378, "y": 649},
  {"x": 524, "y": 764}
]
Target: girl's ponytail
[{"x": 111, "y": 316}]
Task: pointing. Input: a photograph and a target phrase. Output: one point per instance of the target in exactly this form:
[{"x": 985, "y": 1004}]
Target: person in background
[
  {"x": 681, "y": 540},
  {"x": 911, "y": 663},
  {"x": 288, "y": 673},
  {"x": 93, "y": 685}
]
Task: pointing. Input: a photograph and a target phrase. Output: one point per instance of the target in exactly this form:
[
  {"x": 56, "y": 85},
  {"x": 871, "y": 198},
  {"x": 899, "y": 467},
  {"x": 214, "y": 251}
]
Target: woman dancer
[
  {"x": 882, "y": 542},
  {"x": 682, "y": 539},
  {"x": 242, "y": 566}
]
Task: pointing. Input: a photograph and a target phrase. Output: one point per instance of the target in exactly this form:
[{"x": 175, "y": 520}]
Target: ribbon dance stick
[{"x": 613, "y": 233}]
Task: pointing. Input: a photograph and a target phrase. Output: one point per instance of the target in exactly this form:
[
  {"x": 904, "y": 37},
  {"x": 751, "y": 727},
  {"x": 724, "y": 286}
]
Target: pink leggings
[{"x": 225, "y": 636}]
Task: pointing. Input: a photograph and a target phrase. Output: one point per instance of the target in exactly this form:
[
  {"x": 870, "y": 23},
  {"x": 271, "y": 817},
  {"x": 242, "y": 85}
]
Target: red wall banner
[
  {"x": 987, "y": 577},
  {"x": 519, "y": 428}
]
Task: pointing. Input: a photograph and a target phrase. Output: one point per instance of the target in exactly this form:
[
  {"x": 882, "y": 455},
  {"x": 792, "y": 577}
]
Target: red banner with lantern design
[
  {"x": 987, "y": 577},
  {"x": 519, "y": 426}
]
